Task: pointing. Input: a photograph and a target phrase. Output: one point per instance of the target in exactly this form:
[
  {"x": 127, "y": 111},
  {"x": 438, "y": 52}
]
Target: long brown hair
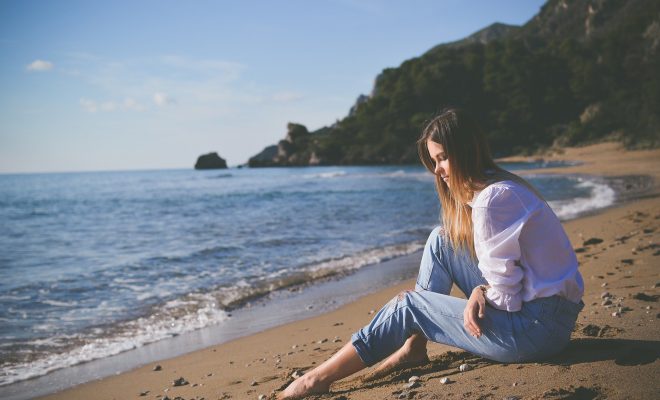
[{"x": 472, "y": 169}]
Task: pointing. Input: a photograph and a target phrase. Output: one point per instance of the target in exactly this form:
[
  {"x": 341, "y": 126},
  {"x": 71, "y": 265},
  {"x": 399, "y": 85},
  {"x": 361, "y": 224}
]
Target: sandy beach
[{"x": 613, "y": 354}]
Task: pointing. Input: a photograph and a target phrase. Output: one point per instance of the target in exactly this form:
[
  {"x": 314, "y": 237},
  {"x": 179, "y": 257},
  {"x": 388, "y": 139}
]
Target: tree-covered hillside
[{"x": 578, "y": 72}]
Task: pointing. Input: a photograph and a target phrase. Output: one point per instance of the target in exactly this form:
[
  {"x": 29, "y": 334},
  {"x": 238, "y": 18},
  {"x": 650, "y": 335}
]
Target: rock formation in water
[{"x": 210, "y": 161}]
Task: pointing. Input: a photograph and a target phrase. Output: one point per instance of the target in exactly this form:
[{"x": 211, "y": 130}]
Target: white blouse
[{"x": 522, "y": 248}]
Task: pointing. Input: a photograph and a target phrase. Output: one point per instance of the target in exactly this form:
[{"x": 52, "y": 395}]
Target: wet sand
[{"x": 613, "y": 354}]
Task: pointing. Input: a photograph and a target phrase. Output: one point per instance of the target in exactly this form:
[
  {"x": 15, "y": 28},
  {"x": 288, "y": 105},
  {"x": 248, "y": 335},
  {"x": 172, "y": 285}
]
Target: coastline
[{"x": 237, "y": 364}]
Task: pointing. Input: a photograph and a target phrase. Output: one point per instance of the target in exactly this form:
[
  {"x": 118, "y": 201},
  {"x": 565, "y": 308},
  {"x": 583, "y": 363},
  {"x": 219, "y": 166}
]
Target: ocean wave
[
  {"x": 325, "y": 175},
  {"x": 162, "y": 323},
  {"x": 180, "y": 315},
  {"x": 601, "y": 196}
]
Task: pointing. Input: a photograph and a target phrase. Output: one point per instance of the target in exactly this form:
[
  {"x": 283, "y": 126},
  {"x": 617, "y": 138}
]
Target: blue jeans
[{"x": 540, "y": 329}]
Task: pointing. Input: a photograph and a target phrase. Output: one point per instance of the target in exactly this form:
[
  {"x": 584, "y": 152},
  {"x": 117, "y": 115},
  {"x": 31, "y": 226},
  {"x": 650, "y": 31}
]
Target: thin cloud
[
  {"x": 162, "y": 99},
  {"x": 286, "y": 97},
  {"x": 39, "y": 65},
  {"x": 132, "y": 104},
  {"x": 93, "y": 106},
  {"x": 89, "y": 105}
]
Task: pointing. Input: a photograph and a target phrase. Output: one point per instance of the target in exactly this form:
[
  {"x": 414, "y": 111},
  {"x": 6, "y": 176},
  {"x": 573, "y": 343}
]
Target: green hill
[{"x": 578, "y": 72}]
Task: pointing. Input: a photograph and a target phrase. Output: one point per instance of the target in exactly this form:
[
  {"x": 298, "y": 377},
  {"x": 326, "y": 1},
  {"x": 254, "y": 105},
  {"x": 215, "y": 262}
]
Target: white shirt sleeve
[{"x": 498, "y": 217}]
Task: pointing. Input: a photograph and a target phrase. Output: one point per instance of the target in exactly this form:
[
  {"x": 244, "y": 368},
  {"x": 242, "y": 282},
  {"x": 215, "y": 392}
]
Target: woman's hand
[{"x": 475, "y": 310}]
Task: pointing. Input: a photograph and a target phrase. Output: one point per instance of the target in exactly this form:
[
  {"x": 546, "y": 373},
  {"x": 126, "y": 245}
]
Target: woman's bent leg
[
  {"x": 540, "y": 329},
  {"x": 442, "y": 266}
]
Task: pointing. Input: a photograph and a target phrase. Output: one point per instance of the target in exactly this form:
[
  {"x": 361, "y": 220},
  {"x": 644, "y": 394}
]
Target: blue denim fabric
[{"x": 540, "y": 329}]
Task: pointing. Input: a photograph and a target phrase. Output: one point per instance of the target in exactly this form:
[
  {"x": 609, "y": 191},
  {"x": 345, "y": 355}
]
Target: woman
[{"x": 500, "y": 243}]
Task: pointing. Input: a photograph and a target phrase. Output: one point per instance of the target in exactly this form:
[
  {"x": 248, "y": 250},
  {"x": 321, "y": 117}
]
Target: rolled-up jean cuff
[{"x": 361, "y": 349}]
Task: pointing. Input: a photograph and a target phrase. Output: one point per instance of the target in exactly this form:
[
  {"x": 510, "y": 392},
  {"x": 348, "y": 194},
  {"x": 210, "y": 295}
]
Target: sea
[{"x": 94, "y": 264}]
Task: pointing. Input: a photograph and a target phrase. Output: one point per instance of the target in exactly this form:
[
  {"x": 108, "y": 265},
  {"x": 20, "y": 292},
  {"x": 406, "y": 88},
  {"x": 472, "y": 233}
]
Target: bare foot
[
  {"x": 411, "y": 354},
  {"x": 303, "y": 386}
]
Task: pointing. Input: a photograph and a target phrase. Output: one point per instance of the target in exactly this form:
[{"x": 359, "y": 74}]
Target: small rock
[
  {"x": 157, "y": 368},
  {"x": 254, "y": 383},
  {"x": 371, "y": 312},
  {"x": 262, "y": 397},
  {"x": 604, "y": 284},
  {"x": 628, "y": 261},
  {"x": 294, "y": 346},
  {"x": 605, "y": 294},
  {"x": 412, "y": 385},
  {"x": 309, "y": 307},
  {"x": 445, "y": 381},
  {"x": 606, "y": 302},
  {"x": 512, "y": 398},
  {"x": 296, "y": 374},
  {"x": 591, "y": 330},
  {"x": 413, "y": 378},
  {"x": 180, "y": 382},
  {"x": 616, "y": 314},
  {"x": 464, "y": 367},
  {"x": 142, "y": 394},
  {"x": 322, "y": 341}
]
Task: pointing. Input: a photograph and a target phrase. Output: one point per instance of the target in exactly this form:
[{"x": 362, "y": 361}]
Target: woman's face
[{"x": 440, "y": 160}]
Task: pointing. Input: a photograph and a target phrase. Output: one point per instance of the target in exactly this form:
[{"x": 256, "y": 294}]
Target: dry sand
[{"x": 613, "y": 354}]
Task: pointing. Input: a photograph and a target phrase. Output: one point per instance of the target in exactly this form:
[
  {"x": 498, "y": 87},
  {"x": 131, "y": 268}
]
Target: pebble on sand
[
  {"x": 445, "y": 381},
  {"x": 158, "y": 368},
  {"x": 413, "y": 378},
  {"x": 180, "y": 382},
  {"x": 464, "y": 367},
  {"x": 412, "y": 385}
]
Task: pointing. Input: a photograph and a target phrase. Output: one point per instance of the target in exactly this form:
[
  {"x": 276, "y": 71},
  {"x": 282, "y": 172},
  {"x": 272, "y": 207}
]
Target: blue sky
[{"x": 121, "y": 85}]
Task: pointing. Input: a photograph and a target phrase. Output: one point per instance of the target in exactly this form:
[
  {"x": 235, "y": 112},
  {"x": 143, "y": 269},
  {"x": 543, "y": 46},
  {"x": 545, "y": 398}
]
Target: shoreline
[{"x": 375, "y": 299}]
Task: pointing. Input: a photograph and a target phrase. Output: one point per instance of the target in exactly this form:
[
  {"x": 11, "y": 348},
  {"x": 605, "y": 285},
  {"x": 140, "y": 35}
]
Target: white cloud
[
  {"x": 39, "y": 65},
  {"x": 89, "y": 105},
  {"x": 162, "y": 99},
  {"x": 132, "y": 104},
  {"x": 108, "y": 106},
  {"x": 129, "y": 104}
]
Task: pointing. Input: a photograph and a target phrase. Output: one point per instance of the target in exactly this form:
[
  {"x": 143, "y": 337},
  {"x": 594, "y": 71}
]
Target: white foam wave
[
  {"x": 191, "y": 312},
  {"x": 325, "y": 175},
  {"x": 165, "y": 323},
  {"x": 601, "y": 196},
  {"x": 366, "y": 257},
  {"x": 56, "y": 303}
]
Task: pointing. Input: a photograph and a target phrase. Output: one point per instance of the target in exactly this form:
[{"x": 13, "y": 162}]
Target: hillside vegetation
[{"x": 578, "y": 72}]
